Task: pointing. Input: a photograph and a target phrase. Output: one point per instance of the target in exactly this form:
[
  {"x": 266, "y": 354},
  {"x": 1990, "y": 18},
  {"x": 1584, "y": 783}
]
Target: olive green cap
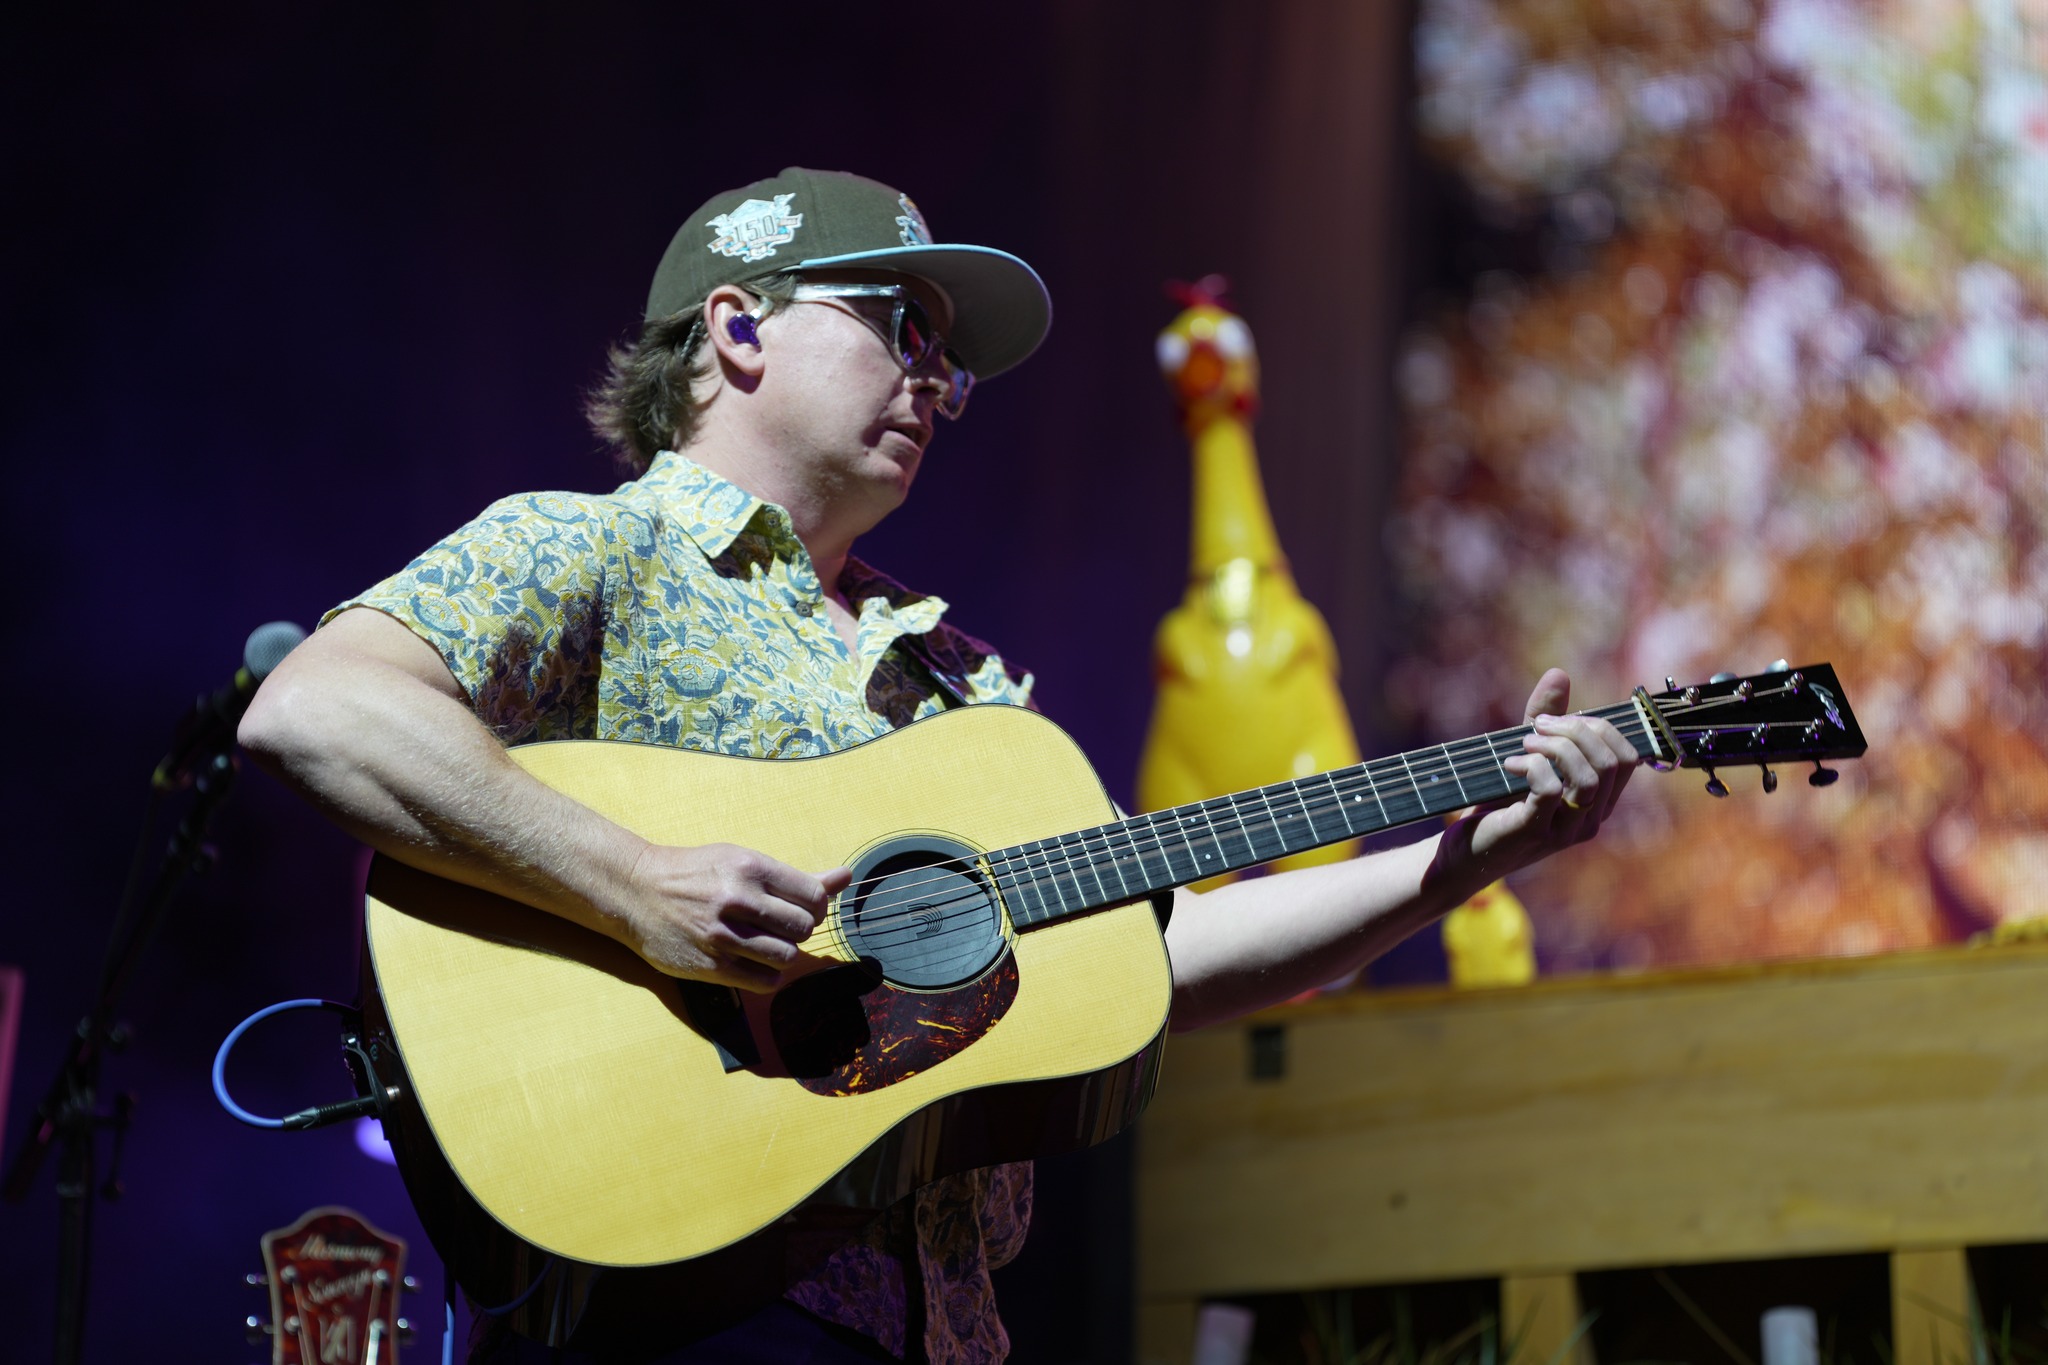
[{"x": 812, "y": 220}]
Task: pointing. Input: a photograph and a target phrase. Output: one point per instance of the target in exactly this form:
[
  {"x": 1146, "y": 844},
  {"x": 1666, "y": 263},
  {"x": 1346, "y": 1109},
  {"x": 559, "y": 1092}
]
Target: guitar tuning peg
[
  {"x": 255, "y": 1280},
  {"x": 405, "y": 1332},
  {"x": 1779, "y": 666},
  {"x": 1770, "y": 780},
  {"x": 255, "y": 1329},
  {"x": 1715, "y": 786},
  {"x": 1724, "y": 677},
  {"x": 1821, "y": 776},
  {"x": 409, "y": 1285}
]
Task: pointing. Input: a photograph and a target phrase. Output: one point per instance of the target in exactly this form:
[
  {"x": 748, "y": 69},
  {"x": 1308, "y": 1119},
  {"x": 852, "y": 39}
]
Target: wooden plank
[
  {"x": 1797, "y": 1109},
  {"x": 1166, "y": 1331},
  {"x": 1541, "y": 1322},
  {"x": 1931, "y": 1307}
]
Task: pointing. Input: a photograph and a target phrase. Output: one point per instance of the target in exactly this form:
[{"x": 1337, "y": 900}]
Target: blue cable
[{"x": 220, "y": 1058}]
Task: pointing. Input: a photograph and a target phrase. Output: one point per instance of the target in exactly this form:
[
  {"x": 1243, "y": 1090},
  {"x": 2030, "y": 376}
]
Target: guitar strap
[{"x": 950, "y": 690}]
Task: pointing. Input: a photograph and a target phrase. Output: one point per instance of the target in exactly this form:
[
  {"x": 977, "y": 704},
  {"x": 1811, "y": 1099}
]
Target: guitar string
[
  {"x": 1626, "y": 709},
  {"x": 1035, "y": 878},
  {"x": 1092, "y": 846},
  {"x": 1352, "y": 772},
  {"x": 1094, "y": 838},
  {"x": 1462, "y": 762}
]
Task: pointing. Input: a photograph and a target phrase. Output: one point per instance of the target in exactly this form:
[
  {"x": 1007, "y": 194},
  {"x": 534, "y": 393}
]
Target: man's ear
[{"x": 737, "y": 346}]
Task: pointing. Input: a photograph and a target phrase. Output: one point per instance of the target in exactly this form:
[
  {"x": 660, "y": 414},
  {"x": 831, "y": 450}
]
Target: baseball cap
[{"x": 811, "y": 220}]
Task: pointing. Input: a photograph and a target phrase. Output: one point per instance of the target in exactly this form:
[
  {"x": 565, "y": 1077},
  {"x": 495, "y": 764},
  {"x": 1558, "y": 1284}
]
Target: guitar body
[{"x": 576, "y": 1124}]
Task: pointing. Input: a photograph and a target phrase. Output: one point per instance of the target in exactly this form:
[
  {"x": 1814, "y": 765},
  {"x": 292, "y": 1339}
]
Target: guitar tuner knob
[
  {"x": 409, "y": 1285},
  {"x": 1770, "y": 780},
  {"x": 1779, "y": 666},
  {"x": 255, "y": 1329},
  {"x": 1821, "y": 776},
  {"x": 256, "y": 1281},
  {"x": 1715, "y": 786},
  {"x": 405, "y": 1332},
  {"x": 1724, "y": 677},
  {"x": 1670, "y": 683}
]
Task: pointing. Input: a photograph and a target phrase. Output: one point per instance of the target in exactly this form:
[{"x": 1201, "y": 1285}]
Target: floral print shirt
[{"x": 682, "y": 610}]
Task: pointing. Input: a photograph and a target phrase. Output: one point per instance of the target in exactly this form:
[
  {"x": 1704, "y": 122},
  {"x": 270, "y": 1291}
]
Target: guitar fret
[
  {"x": 1116, "y": 859},
  {"x": 1029, "y": 885},
  {"x": 1315, "y": 834},
  {"x": 1052, "y": 873},
  {"x": 1087, "y": 862},
  {"x": 1159, "y": 883},
  {"x": 1208, "y": 831},
  {"x": 1463, "y": 799},
  {"x": 1337, "y": 794},
  {"x": 1244, "y": 831},
  {"x": 1273, "y": 820},
  {"x": 1365, "y": 771}
]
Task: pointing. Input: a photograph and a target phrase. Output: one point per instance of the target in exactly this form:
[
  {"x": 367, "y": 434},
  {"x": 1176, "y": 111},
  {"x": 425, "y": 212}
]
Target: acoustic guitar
[{"x": 992, "y": 986}]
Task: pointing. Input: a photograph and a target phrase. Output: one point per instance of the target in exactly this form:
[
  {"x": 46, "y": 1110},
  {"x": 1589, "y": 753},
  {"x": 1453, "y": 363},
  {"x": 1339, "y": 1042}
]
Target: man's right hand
[{"x": 723, "y": 913}]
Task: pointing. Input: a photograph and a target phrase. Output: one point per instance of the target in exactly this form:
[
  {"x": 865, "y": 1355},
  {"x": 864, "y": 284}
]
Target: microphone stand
[{"x": 69, "y": 1116}]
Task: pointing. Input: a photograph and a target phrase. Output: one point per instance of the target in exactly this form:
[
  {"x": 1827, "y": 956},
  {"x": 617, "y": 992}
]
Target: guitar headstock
[
  {"x": 1783, "y": 715},
  {"x": 334, "y": 1282}
]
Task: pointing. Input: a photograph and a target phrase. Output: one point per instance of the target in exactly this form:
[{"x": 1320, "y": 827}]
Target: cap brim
[{"x": 1001, "y": 309}]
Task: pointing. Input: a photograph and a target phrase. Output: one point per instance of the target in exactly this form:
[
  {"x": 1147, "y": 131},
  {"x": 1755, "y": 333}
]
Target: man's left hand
[{"x": 1576, "y": 767}]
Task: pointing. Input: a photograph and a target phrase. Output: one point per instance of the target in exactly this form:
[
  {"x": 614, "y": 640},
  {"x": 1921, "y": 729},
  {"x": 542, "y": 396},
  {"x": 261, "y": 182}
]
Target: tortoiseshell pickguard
[{"x": 846, "y": 1031}]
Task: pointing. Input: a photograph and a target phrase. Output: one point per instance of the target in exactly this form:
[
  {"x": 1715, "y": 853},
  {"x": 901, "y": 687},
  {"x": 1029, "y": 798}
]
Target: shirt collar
[{"x": 711, "y": 510}]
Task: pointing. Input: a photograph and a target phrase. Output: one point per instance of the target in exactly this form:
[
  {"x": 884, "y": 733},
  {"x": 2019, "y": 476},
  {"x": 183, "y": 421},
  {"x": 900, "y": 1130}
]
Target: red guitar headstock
[{"x": 334, "y": 1282}]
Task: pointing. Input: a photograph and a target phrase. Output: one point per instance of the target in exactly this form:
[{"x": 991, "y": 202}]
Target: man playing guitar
[{"x": 801, "y": 339}]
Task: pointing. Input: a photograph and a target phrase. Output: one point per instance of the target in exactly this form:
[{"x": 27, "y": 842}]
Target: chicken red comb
[{"x": 1209, "y": 291}]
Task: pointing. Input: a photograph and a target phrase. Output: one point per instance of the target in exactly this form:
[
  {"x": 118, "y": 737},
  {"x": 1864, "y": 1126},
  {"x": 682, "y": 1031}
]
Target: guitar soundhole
[
  {"x": 935, "y": 973},
  {"x": 919, "y": 913}
]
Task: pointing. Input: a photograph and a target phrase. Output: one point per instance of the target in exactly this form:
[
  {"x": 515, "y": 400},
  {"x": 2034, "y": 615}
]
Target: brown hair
[{"x": 646, "y": 403}]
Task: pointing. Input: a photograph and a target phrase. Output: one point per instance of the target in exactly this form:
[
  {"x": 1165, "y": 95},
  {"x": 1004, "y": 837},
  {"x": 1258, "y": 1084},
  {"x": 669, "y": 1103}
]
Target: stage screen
[{"x": 1739, "y": 352}]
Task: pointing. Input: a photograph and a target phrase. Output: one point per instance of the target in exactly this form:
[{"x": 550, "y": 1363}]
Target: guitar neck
[{"x": 1051, "y": 879}]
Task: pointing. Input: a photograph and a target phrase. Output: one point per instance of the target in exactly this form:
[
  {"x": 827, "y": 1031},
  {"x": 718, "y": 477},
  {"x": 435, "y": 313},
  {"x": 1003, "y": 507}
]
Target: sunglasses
[{"x": 910, "y": 334}]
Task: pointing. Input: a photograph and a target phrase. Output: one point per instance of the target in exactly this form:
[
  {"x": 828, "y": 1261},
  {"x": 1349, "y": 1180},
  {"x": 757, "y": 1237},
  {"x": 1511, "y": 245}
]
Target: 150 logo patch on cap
[{"x": 756, "y": 228}]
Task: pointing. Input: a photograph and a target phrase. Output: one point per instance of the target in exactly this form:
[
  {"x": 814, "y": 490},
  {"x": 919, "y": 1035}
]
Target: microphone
[{"x": 209, "y": 726}]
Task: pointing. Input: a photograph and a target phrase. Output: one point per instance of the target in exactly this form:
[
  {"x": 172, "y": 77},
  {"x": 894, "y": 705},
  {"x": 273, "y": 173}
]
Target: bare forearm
[
  {"x": 412, "y": 773},
  {"x": 1258, "y": 942},
  {"x": 367, "y": 723}
]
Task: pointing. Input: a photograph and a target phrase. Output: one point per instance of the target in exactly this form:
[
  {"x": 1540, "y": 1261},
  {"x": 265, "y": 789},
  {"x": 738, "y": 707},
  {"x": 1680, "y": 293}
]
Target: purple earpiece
[{"x": 741, "y": 328}]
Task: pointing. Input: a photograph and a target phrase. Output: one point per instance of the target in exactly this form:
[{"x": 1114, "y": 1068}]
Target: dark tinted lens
[{"x": 914, "y": 337}]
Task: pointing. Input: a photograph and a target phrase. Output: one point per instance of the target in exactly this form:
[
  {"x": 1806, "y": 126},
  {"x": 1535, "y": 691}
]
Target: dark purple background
[{"x": 292, "y": 290}]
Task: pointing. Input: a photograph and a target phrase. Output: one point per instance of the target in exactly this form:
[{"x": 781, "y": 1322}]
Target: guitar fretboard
[{"x": 1050, "y": 879}]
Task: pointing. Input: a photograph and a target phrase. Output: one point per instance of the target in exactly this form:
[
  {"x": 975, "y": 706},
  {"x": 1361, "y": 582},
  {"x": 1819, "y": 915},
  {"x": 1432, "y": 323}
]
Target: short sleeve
[{"x": 514, "y": 602}]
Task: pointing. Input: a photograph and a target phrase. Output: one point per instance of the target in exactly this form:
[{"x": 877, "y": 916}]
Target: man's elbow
[{"x": 281, "y": 725}]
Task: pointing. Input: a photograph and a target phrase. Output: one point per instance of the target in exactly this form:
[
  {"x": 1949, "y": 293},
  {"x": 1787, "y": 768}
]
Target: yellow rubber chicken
[
  {"x": 1246, "y": 671},
  {"x": 1488, "y": 942}
]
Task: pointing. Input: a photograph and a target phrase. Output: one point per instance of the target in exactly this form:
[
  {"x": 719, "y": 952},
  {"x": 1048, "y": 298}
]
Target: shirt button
[{"x": 805, "y": 608}]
